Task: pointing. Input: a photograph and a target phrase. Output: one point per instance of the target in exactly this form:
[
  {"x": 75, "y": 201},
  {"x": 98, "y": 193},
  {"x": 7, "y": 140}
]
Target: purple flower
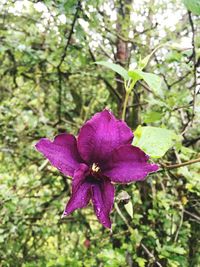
[{"x": 100, "y": 156}]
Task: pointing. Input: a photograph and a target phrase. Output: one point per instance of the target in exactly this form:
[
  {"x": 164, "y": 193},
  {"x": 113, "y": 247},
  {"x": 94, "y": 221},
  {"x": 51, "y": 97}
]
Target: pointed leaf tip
[{"x": 115, "y": 67}]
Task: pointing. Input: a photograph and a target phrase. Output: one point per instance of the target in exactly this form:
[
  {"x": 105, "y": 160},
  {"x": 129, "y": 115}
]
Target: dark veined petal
[
  {"x": 103, "y": 198},
  {"x": 79, "y": 176},
  {"x": 81, "y": 190},
  {"x": 79, "y": 199},
  {"x": 127, "y": 164},
  {"x": 62, "y": 152},
  {"x": 100, "y": 135}
]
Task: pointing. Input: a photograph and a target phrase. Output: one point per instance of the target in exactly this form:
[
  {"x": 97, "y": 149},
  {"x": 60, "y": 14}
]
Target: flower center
[
  {"x": 95, "y": 168},
  {"x": 95, "y": 175}
]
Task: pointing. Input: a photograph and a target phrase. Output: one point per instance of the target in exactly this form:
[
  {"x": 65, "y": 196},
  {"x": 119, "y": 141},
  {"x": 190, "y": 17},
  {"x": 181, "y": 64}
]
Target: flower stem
[
  {"x": 128, "y": 87},
  {"x": 124, "y": 106}
]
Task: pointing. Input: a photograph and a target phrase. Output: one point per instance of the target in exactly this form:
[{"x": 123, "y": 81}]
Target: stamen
[{"x": 95, "y": 167}]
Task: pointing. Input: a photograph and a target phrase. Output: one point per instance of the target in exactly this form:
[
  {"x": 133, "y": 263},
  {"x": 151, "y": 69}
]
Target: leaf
[
  {"x": 143, "y": 62},
  {"x": 141, "y": 261},
  {"x": 152, "y": 116},
  {"x": 174, "y": 249},
  {"x": 174, "y": 56},
  {"x": 134, "y": 75},
  {"x": 136, "y": 237},
  {"x": 129, "y": 208},
  {"x": 123, "y": 196},
  {"x": 193, "y": 6},
  {"x": 154, "y": 141},
  {"x": 154, "y": 81},
  {"x": 117, "y": 68}
]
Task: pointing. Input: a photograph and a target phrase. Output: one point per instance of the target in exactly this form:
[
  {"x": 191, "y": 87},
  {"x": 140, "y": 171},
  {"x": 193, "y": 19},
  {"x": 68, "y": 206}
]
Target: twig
[
  {"x": 186, "y": 127},
  {"x": 194, "y": 61},
  {"x": 192, "y": 215},
  {"x": 109, "y": 86},
  {"x": 181, "y": 107},
  {"x": 150, "y": 254},
  {"x": 174, "y": 166},
  {"x": 190, "y": 142},
  {"x": 78, "y": 7},
  {"x": 122, "y": 216},
  {"x": 59, "y": 94},
  {"x": 180, "y": 225},
  {"x": 44, "y": 164},
  {"x": 136, "y": 105},
  {"x": 14, "y": 69},
  {"x": 180, "y": 79},
  {"x": 105, "y": 52},
  {"x": 146, "y": 87},
  {"x": 130, "y": 230}
]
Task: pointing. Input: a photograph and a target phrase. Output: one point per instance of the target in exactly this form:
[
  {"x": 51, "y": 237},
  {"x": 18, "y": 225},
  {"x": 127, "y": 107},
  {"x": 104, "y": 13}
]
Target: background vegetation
[{"x": 49, "y": 84}]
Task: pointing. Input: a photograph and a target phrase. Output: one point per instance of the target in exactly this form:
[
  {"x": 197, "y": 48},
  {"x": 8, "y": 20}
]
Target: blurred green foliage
[{"x": 49, "y": 85}]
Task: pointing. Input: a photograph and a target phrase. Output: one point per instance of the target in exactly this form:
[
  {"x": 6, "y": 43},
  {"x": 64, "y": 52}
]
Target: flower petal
[
  {"x": 127, "y": 164},
  {"x": 100, "y": 135},
  {"x": 79, "y": 199},
  {"x": 79, "y": 176},
  {"x": 62, "y": 152},
  {"x": 103, "y": 198}
]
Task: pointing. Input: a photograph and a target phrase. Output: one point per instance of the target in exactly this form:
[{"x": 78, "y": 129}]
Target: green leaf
[
  {"x": 173, "y": 56},
  {"x": 117, "y": 68},
  {"x": 143, "y": 62},
  {"x": 134, "y": 75},
  {"x": 152, "y": 116},
  {"x": 129, "y": 208},
  {"x": 154, "y": 141},
  {"x": 193, "y": 6},
  {"x": 141, "y": 261},
  {"x": 136, "y": 237},
  {"x": 174, "y": 249},
  {"x": 154, "y": 81}
]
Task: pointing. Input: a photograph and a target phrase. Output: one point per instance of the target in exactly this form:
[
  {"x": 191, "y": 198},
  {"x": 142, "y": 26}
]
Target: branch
[
  {"x": 150, "y": 254},
  {"x": 180, "y": 225},
  {"x": 146, "y": 87},
  {"x": 190, "y": 142},
  {"x": 174, "y": 166},
  {"x": 59, "y": 94},
  {"x": 180, "y": 79},
  {"x": 194, "y": 61},
  {"x": 130, "y": 230},
  {"x": 78, "y": 7},
  {"x": 109, "y": 86},
  {"x": 13, "y": 71},
  {"x": 111, "y": 89},
  {"x": 192, "y": 215}
]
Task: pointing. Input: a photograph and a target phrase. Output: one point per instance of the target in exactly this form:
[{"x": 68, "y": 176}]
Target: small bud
[{"x": 86, "y": 243}]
